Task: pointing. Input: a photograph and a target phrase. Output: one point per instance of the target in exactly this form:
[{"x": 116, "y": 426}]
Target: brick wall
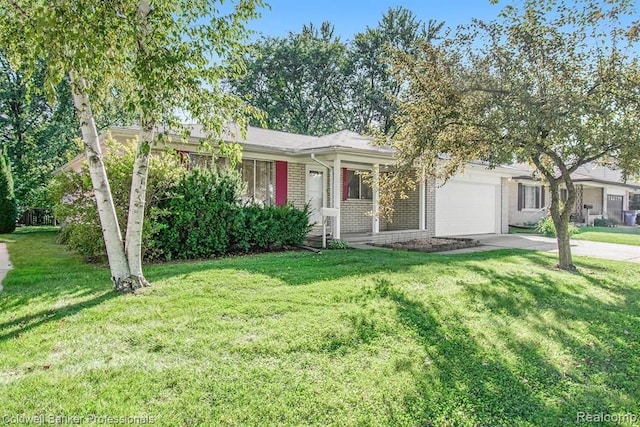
[
  {"x": 355, "y": 216},
  {"x": 405, "y": 215},
  {"x": 297, "y": 186}
]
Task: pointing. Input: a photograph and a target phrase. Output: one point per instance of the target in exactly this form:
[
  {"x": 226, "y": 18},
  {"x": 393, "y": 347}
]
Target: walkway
[
  {"x": 610, "y": 251},
  {"x": 5, "y": 264}
]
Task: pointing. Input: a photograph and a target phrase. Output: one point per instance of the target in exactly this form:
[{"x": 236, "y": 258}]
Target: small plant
[
  {"x": 338, "y": 244},
  {"x": 603, "y": 222},
  {"x": 547, "y": 228}
]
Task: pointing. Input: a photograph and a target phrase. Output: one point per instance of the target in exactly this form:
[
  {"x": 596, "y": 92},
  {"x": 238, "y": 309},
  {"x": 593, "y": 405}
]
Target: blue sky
[{"x": 353, "y": 16}]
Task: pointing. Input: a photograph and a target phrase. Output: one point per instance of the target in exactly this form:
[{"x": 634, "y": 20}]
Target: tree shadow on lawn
[
  {"x": 514, "y": 381},
  {"x": 15, "y": 327}
]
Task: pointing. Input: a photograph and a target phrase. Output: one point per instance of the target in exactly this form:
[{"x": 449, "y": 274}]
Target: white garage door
[{"x": 466, "y": 208}]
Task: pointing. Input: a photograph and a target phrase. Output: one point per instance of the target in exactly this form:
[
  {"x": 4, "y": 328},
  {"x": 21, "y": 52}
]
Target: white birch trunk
[
  {"x": 137, "y": 201},
  {"x": 137, "y": 198},
  {"x": 120, "y": 273}
]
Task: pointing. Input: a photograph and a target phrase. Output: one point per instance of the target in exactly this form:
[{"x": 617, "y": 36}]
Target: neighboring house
[
  {"x": 280, "y": 167},
  {"x": 600, "y": 193}
]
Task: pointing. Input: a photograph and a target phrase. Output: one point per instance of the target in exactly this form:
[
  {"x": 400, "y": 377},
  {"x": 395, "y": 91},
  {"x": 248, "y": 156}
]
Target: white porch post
[
  {"x": 337, "y": 196},
  {"x": 376, "y": 195},
  {"x": 422, "y": 199}
]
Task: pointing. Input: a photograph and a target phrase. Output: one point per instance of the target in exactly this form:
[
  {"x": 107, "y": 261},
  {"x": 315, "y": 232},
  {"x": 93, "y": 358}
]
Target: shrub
[
  {"x": 338, "y": 244},
  {"x": 198, "y": 217},
  {"x": 603, "y": 222},
  {"x": 74, "y": 203},
  {"x": 189, "y": 214},
  {"x": 8, "y": 204},
  {"x": 267, "y": 227},
  {"x": 203, "y": 217},
  {"x": 546, "y": 227}
]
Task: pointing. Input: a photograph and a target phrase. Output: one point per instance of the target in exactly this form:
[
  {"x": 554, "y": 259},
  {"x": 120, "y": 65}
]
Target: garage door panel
[{"x": 465, "y": 208}]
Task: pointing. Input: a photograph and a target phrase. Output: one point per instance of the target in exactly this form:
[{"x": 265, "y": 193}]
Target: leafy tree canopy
[{"x": 551, "y": 83}]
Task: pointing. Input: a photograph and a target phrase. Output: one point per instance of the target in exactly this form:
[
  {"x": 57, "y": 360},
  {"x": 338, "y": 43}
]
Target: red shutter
[
  {"x": 345, "y": 184},
  {"x": 282, "y": 182}
]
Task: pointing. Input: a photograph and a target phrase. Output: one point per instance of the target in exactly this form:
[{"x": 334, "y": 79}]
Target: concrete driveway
[{"x": 546, "y": 244}]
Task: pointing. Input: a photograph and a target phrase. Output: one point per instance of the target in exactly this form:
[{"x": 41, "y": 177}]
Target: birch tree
[
  {"x": 552, "y": 83},
  {"x": 164, "y": 58}
]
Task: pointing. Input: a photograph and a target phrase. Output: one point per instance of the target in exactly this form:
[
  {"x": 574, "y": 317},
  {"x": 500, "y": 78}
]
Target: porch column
[
  {"x": 376, "y": 199},
  {"x": 421, "y": 202},
  {"x": 337, "y": 196},
  {"x": 604, "y": 202}
]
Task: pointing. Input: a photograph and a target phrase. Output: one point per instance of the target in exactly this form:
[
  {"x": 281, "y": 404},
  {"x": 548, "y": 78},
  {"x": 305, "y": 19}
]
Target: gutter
[{"x": 313, "y": 157}]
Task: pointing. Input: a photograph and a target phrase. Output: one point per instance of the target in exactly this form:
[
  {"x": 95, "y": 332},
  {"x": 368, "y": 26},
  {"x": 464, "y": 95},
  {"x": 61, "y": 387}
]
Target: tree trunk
[
  {"x": 137, "y": 201},
  {"x": 120, "y": 273},
  {"x": 565, "y": 260},
  {"x": 560, "y": 217}
]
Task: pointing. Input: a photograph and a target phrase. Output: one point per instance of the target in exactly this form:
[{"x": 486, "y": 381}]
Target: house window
[
  {"x": 259, "y": 177},
  {"x": 634, "y": 202},
  {"x": 357, "y": 188},
  {"x": 532, "y": 197}
]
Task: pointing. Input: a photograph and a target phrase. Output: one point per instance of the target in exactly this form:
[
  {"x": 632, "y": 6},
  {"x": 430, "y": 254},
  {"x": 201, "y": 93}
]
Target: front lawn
[
  {"x": 620, "y": 235},
  {"x": 341, "y": 338}
]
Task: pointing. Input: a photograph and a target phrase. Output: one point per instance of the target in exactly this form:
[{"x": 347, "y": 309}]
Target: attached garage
[{"x": 468, "y": 206}]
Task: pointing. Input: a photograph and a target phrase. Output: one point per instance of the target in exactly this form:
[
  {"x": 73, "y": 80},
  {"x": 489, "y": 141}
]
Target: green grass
[
  {"x": 620, "y": 235},
  {"x": 342, "y": 338}
]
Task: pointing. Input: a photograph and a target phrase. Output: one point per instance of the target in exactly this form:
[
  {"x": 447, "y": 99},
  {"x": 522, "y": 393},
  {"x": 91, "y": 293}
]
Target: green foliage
[
  {"x": 338, "y": 244},
  {"x": 74, "y": 203},
  {"x": 203, "y": 217},
  {"x": 37, "y": 135},
  {"x": 602, "y": 222},
  {"x": 546, "y": 227},
  {"x": 8, "y": 206},
  {"x": 198, "y": 216},
  {"x": 313, "y": 83},
  {"x": 550, "y": 83},
  {"x": 374, "y": 91},
  {"x": 299, "y": 81},
  {"x": 267, "y": 227},
  {"x": 189, "y": 214}
]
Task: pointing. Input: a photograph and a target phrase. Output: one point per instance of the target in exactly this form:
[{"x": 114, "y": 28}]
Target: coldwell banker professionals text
[{"x": 76, "y": 419}]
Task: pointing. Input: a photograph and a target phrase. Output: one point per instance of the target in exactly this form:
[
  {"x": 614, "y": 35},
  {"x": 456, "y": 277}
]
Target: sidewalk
[
  {"x": 5, "y": 264},
  {"x": 610, "y": 251}
]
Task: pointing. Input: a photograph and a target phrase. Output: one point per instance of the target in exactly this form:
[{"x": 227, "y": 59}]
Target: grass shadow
[{"x": 15, "y": 327}]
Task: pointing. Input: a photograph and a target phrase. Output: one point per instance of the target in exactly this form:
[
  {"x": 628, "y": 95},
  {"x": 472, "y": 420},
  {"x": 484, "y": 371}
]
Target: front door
[{"x": 315, "y": 194}]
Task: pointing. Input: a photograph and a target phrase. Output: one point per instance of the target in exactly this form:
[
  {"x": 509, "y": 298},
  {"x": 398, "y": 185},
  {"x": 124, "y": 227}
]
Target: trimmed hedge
[{"x": 203, "y": 217}]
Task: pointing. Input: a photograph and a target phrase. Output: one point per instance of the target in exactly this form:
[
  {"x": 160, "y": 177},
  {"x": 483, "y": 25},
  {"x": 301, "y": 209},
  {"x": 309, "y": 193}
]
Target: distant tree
[
  {"x": 8, "y": 207},
  {"x": 36, "y": 135},
  {"x": 300, "y": 81},
  {"x": 553, "y": 83},
  {"x": 373, "y": 88}
]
